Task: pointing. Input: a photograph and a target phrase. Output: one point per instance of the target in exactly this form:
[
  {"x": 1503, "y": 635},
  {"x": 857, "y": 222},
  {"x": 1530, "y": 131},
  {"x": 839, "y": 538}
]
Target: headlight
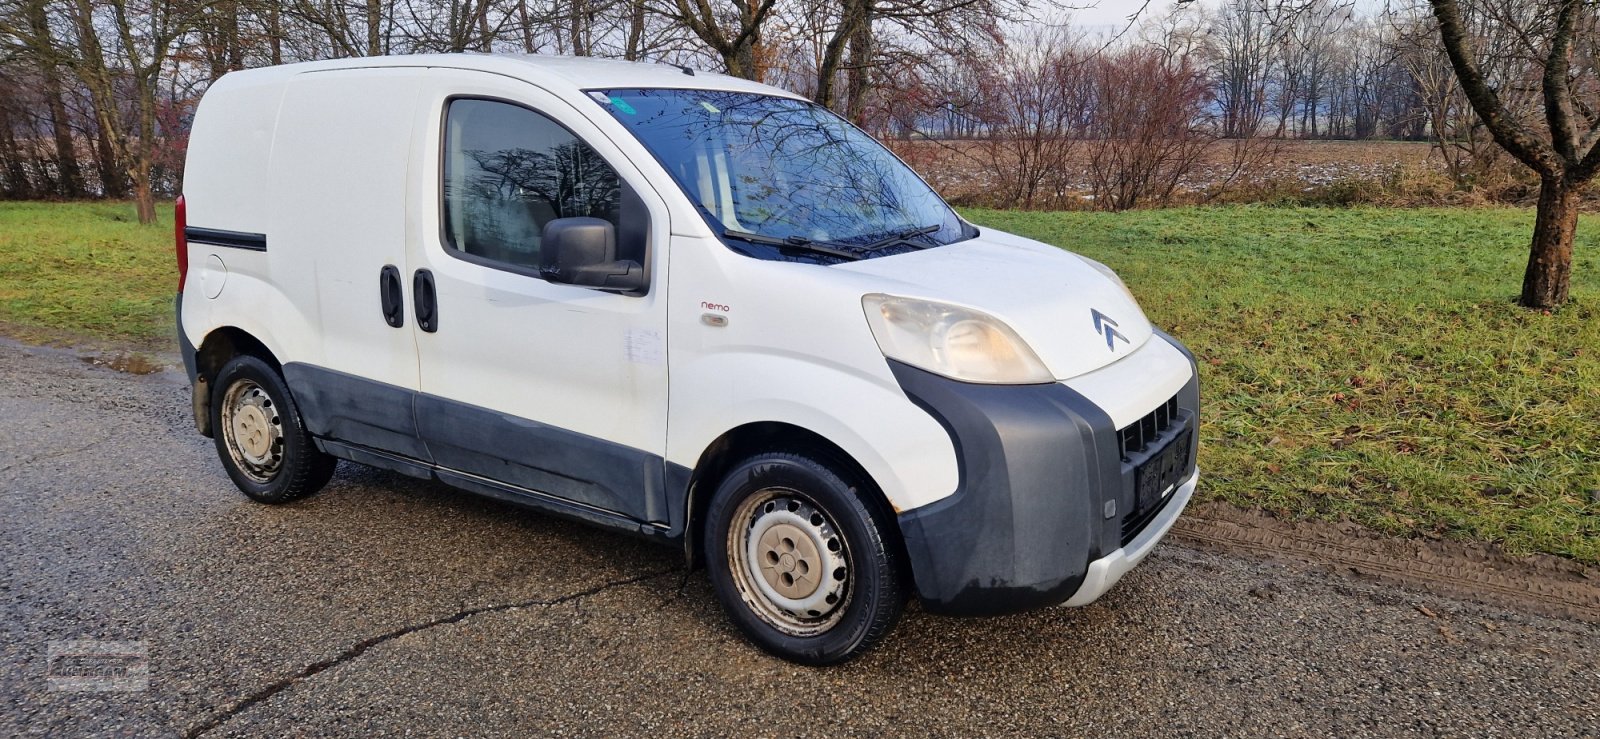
[
  {"x": 949, "y": 340},
  {"x": 1102, "y": 269}
]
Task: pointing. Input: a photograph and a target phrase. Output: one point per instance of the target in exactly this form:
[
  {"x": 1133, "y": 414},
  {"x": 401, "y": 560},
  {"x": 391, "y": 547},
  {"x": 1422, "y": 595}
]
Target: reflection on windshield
[{"x": 785, "y": 170}]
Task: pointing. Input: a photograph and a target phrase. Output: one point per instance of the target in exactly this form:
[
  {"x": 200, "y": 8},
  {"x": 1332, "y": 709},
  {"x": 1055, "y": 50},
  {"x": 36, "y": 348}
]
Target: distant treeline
[{"x": 96, "y": 95}]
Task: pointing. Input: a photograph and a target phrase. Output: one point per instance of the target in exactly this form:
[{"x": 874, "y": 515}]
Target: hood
[{"x": 1075, "y": 318}]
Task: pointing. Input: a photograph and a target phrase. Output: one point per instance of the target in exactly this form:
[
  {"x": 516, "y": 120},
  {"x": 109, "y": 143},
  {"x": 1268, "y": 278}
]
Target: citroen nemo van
[{"x": 681, "y": 305}]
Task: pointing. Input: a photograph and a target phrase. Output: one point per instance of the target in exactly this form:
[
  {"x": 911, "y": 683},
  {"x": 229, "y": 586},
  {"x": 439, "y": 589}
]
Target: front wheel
[
  {"x": 259, "y": 435},
  {"x": 802, "y": 564}
]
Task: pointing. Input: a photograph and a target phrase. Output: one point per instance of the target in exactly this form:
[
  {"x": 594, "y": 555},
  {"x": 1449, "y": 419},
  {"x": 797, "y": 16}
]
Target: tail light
[{"x": 179, "y": 221}]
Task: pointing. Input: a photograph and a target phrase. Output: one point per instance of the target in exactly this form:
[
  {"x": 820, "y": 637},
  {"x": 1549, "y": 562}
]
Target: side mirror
[{"x": 583, "y": 251}]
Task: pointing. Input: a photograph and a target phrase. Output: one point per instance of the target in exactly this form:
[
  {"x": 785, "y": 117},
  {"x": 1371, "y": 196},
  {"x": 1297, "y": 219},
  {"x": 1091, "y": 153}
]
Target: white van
[{"x": 682, "y": 305}]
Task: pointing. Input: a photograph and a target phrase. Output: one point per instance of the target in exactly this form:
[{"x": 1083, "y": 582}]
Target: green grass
[
  {"x": 1360, "y": 363},
  {"x": 1370, "y": 364},
  {"x": 86, "y": 269}
]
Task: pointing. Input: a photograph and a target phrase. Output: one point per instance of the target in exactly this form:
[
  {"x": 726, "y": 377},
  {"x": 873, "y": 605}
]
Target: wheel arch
[
  {"x": 750, "y": 439},
  {"x": 219, "y": 346},
  {"x": 226, "y": 342}
]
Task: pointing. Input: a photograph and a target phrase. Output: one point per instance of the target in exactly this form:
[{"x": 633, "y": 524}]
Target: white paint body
[{"x": 338, "y": 162}]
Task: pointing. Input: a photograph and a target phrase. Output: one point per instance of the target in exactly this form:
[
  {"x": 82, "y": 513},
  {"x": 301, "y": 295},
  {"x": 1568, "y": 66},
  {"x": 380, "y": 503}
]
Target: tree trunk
[
  {"x": 731, "y": 65},
  {"x": 858, "y": 79},
  {"x": 231, "y": 34},
  {"x": 636, "y": 19},
  {"x": 60, "y": 124},
  {"x": 1549, "y": 273},
  {"x": 112, "y": 184},
  {"x": 577, "y": 17},
  {"x": 143, "y": 199},
  {"x": 142, "y": 158},
  {"x": 527, "y": 28},
  {"x": 275, "y": 33},
  {"x": 485, "y": 35},
  {"x": 17, "y": 184},
  {"x": 374, "y": 28},
  {"x": 744, "y": 61},
  {"x": 852, "y": 14}
]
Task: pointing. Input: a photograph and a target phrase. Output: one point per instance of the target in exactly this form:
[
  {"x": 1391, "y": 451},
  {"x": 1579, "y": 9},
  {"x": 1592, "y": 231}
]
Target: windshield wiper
[
  {"x": 900, "y": 237},
  {"x": 799, "y": 243}
]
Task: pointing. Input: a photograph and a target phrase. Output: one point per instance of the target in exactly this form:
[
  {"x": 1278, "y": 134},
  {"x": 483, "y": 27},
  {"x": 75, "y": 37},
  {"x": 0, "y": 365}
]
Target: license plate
[{"x": 1160, "y": 474}]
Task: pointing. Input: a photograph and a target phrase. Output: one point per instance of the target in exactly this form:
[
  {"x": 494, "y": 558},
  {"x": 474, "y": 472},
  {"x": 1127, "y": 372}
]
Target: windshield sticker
[
  {"x": 709, "y": 107},
  {"x": 599, "y": 97},
  {"x": 622, "y": 106}
]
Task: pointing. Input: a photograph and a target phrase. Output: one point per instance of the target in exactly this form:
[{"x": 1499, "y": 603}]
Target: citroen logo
[{"x": 1104, "y": 325}]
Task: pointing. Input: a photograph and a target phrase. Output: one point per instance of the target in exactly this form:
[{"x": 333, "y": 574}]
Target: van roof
[{"x": 550, "y": 72}]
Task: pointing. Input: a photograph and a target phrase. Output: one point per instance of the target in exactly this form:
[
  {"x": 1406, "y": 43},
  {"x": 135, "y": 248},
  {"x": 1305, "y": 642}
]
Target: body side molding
[{"x": 232, "y": 239}]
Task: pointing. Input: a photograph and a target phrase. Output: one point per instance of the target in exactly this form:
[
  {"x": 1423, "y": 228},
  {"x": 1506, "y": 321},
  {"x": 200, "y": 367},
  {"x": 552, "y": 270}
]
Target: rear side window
[{"x": 508, "y": 171}]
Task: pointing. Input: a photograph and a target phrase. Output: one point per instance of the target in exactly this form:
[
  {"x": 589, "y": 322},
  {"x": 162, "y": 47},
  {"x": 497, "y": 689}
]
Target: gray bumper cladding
[
  {"x": 185, "y": 346},
  {"x": 199, "y": 387},
  {"x": 1025, "y": 521},
  {"x": 1044, "y": 490}
]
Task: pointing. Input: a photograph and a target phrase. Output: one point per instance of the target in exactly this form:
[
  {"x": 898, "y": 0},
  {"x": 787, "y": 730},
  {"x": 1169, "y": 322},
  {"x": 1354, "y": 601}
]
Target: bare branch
[{"x": 1507, "y": 132}]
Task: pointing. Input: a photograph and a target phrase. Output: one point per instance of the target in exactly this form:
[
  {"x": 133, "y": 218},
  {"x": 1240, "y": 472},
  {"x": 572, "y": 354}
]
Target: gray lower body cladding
[
  {"x": 185, "y": 346},
  {"x": 1045, "y": 488}
]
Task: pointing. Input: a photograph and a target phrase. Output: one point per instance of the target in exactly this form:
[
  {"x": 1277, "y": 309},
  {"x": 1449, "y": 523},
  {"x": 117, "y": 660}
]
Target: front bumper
[
  {"x": 1047, "y": 510},
  {"x": 1106, "y": 571}
]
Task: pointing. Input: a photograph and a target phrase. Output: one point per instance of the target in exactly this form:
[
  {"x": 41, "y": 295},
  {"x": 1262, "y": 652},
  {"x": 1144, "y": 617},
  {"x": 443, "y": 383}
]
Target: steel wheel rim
[
  {"x": 791, "y": 564},
  {"x": 252, "y": 430}
]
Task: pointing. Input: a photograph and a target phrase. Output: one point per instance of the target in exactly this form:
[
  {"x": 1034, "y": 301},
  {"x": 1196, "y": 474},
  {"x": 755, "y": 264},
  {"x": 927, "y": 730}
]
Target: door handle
[
  {"x": 427, "y": 300},
  {"x": 392, "y": 301}
]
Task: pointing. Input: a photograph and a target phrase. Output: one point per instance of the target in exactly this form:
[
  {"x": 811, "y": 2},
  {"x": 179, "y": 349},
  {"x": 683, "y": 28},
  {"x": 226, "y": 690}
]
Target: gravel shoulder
[{"x": 385, "y": 605}]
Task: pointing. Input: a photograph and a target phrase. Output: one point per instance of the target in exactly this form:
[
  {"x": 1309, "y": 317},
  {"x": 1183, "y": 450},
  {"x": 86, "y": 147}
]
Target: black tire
[
  {"x": 868, "y": 600},
  {"x": 275, "y": 461}
]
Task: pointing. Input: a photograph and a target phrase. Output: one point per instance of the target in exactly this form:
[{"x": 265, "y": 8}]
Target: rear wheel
[
  {"x": 800, "y": 562},
  {"x": 263, "y": 444}
]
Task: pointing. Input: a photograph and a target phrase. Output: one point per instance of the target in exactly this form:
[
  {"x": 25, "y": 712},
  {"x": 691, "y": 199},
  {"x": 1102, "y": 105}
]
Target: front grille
[
  {"x": 1133, "y": 525},
  {"x": 1136, "y": 437},
  {"x": 1155, "y": 457}
]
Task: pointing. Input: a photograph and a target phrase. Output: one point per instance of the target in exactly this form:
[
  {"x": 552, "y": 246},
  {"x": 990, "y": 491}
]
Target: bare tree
[
  {"x": 1243, "y": 45},
  {"x": 1558, "y": 38},
  {"x": 49, "y": 64},
  {"x": 733, "y": 32},
  {"x": 16, "y": 181},
  {"x": 1374, "y": 74},
  {"x": 1464, "y": 145},
  {"x": 1317, "y": 31},
  {"x": 120, "y": 51},
  {"x": 1035, "y": 104},
  {"x": 1144, "y": 134}
]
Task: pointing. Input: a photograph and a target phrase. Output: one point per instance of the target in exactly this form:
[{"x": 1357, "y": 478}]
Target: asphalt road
[{"x": 388, "y": 606}]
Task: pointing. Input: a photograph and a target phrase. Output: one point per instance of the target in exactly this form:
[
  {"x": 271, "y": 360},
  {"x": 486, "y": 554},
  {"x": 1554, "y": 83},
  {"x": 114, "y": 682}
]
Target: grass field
[
  {"x": 90, "y": 270},
  {"x": 1357, "y": 363},
  {"x": 1370, "y": 363}
]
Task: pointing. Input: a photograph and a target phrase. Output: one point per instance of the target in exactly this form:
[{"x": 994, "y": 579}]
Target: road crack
[
  {"x": 51, "y": 455},
  {"x": 361, "y": 647}
]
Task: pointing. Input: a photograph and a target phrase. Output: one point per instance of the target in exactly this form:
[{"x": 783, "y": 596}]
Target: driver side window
[{"x": 508, "y": 171}]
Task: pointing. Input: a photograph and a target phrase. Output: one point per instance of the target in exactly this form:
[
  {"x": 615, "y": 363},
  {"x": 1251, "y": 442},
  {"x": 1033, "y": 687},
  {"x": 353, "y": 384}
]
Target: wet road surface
[{"x": 385, "y": 605}]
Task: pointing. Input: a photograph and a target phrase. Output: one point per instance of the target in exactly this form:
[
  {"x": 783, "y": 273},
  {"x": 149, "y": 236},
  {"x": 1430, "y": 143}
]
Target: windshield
[{"x": 783, "y": 178}]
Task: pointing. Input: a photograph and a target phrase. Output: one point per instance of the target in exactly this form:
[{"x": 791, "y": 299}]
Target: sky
[{"x": 1093, "y": 15}]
